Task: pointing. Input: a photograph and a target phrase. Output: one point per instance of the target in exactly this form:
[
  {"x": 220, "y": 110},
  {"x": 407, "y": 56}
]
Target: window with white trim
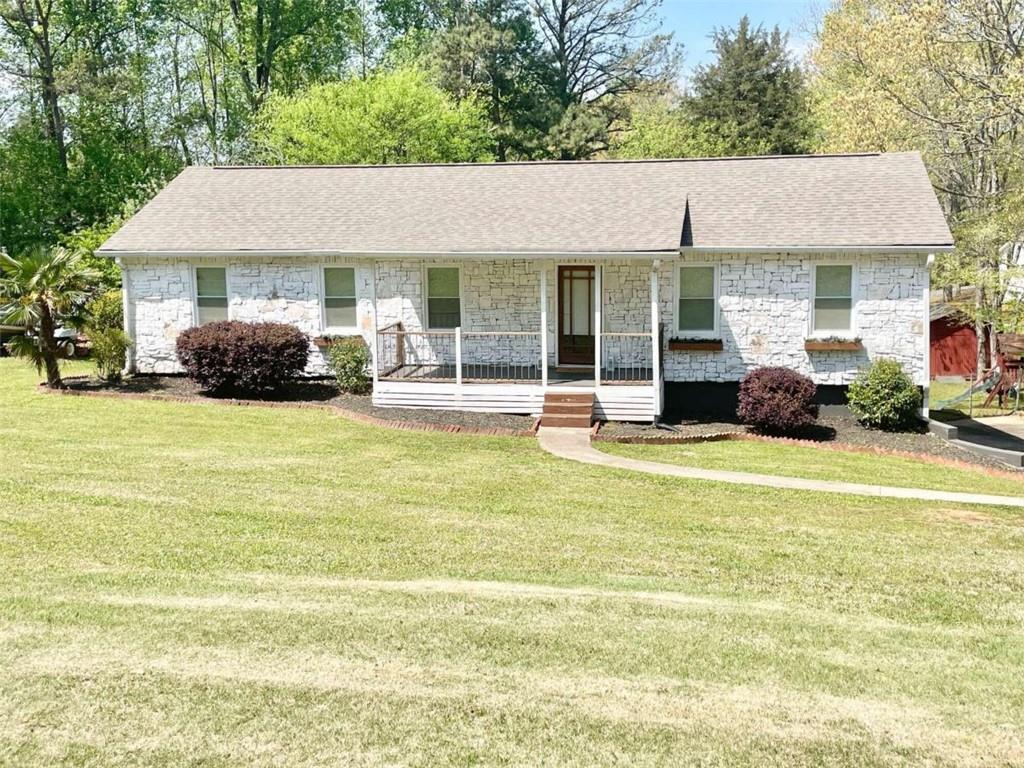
[
  {"x": 340, "y": 297},
  {"x": 697, "y": 307},
  {"x": 444, "y": 301},
  {"x": 833, "y": 298},
  {"x": 211, "y": 294}
]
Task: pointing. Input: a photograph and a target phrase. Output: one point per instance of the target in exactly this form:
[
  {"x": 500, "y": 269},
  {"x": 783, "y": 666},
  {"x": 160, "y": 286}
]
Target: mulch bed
[
  {"x": 836, "y": 429},
  {"x": 313, "y": 393}
]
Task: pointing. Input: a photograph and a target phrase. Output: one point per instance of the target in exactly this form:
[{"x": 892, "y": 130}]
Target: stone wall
[
  {"x": 764, "y": 303},
  {"x": 161, "y": 305},
  {"x": 161, "y": 295}
]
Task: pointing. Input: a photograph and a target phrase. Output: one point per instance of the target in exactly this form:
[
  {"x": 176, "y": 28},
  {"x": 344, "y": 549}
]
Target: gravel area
[
  {"x": 836, "y": 425},
  {"x": 685, "y": 427},
  {"x": 312, "y": 391}
]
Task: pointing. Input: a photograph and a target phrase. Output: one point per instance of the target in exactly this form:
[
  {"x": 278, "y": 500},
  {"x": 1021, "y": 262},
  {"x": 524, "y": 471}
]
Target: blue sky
[{"x": 693, "y": 20}]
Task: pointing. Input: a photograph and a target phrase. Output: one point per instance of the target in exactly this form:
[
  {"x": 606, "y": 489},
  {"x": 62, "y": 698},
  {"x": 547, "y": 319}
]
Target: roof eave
[
  {"x": 364, "y": 253},
  {"x": 919, "y": 248}
]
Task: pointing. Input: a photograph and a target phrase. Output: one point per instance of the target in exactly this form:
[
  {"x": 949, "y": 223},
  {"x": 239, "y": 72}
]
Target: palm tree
[{"x": 37, "y": 289}]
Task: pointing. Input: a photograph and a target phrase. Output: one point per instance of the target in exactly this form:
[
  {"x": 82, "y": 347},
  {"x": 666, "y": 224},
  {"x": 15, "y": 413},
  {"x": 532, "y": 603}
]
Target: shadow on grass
[{"x": 179, "y": 386}]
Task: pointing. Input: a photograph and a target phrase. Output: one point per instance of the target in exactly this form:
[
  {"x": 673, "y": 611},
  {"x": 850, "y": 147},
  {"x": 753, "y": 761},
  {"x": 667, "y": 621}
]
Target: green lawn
[
  {"x": 822, "y": 464},
  {"x": 215, "y": 586}
]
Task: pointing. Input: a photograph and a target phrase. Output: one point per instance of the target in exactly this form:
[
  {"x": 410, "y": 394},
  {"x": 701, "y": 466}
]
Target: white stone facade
[
  {"x": 161, "y": 301},
  {"x": 764, "y": 308}
]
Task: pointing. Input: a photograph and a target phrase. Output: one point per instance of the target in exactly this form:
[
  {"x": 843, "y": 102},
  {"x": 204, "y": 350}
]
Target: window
[
  {"x": 833, "y": 298},
  {"x": 339, "y": 297},
  {"x": 444, "y": 307},
  {"x": 211, "y": 294},
  {"x": 698, "y": 302}
]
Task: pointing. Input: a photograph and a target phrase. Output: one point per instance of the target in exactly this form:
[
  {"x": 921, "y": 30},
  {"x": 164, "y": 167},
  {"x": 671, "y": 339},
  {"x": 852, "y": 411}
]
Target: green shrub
[
  {"x": 105, "y": 312},
  {"x": 884, "y": 397},
  {"x": 104, "y": 327},
  {"x": 108, "y": 349},
  {"x": 349, "y": 359}
]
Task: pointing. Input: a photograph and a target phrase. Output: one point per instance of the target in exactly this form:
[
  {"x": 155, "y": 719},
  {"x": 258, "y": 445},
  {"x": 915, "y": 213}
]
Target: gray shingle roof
[{"x": 836, "y": 201}]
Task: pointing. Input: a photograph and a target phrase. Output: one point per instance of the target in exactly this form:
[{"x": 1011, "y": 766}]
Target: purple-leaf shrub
[
  {"x": 231, "y": 357},
  {"x": 777, "y": 401}
]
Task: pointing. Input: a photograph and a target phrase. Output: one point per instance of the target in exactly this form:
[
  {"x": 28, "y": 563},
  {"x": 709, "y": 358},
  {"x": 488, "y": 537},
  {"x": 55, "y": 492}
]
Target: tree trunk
[
  {"x": 979, "y": 330},
  {"x": 29, "y": 24},
  {"x": 48, "y": 348},
  {"x": 180, "y": 130},
  {"x": 51, "y": 101}
]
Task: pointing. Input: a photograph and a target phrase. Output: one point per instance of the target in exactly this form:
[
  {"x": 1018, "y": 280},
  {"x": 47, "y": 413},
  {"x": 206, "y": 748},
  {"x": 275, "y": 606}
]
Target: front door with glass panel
[{"x": 576, "y": 315}]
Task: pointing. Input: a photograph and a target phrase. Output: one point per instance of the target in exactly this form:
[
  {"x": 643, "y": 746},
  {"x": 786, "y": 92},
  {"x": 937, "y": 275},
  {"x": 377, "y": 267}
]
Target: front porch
[
  {"x": 441, "y": 356},
  {"x": 494, "y": 361}
]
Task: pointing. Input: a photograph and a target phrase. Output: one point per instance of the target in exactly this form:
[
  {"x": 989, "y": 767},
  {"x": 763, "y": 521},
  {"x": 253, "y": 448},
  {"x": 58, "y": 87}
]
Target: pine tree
[{"x": 754, "y": 86}]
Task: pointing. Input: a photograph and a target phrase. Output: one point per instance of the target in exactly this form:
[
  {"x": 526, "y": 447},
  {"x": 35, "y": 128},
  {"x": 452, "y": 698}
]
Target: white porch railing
[
  {"x": 458, "y": 356},
  {"x": 500, "y": 355},
  {"x": 626, "y": 358}
]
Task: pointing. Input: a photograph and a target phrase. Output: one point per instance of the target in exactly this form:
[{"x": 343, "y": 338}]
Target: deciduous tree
[
  {"x": 664, "y": 127},
  {"x": 390, "y": 117},
  {"x": 947, "y": 78},
  {"x": 602, "y": 51}
]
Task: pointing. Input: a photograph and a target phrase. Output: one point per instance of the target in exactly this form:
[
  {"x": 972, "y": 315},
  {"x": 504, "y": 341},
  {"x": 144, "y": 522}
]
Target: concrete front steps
[{"x": 567, "y": 409}]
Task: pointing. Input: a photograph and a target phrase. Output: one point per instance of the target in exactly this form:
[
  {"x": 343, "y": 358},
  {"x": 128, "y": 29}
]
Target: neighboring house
[
  {"x": 482, "y": 287},
  {"x": 1011, "y": 266}
]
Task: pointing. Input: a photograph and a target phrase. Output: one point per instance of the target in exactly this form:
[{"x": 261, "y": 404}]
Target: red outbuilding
[{"x": 954, "y": 340}]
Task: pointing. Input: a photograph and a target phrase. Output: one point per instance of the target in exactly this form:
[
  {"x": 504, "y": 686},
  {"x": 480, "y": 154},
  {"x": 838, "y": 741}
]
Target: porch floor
[{"x": 503, "y": 373}]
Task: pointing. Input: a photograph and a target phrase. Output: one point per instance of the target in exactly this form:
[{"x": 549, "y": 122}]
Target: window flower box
[
  {"x": 833, "y": 345},
  {"x": 695, "y": 345}
]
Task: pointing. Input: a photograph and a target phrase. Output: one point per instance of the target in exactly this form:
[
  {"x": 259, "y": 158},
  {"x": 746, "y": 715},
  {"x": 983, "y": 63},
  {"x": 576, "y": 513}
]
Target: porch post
[
  {"x": 655, "y": 340},
  {"x": 543, "y": 324},
  {"x": 374, "y": 351},
  {"x": 458, "y": 355},
  {"x": 597, "y": 325}
]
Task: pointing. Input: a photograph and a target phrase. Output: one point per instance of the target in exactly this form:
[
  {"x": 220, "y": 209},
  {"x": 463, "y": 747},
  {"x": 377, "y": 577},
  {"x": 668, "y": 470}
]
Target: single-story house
[{"x": 485, "y": 286}]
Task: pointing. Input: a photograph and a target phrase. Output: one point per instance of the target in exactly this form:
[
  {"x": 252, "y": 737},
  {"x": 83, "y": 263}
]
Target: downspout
[
  {"x": 927, "y": 362},
  {"x": 374, "y": 339},
  {"x": 128, "y": 310}
]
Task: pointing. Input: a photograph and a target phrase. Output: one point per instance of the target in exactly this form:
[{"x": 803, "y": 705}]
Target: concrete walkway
[
  {"x": 574, "y": 444},
  {"x": 1001, "y": 437}
]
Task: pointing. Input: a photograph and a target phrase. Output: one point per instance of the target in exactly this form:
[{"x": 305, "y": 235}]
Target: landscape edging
[{"x": 365, "y": 418}]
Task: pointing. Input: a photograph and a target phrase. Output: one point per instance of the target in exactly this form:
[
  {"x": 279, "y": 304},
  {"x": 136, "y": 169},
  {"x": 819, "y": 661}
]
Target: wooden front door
[{"x": 576, "y": 315}]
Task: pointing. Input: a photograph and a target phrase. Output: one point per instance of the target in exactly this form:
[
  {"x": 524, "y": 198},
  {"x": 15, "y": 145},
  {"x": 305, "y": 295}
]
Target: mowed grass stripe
[
  {"x": 219, "y": 586},
  {"x": 518, "y": 648}
]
